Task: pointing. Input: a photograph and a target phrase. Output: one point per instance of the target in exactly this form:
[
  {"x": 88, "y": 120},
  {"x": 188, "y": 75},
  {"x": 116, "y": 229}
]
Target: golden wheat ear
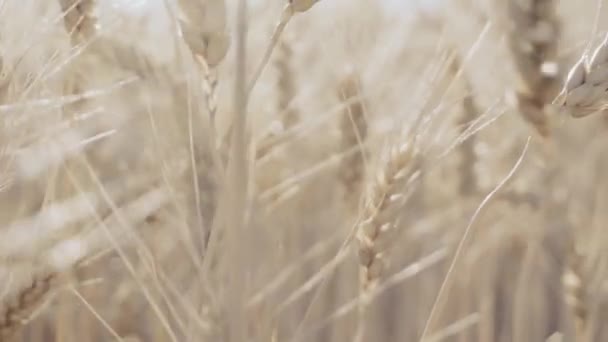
[{"x": 379, "y": 222}]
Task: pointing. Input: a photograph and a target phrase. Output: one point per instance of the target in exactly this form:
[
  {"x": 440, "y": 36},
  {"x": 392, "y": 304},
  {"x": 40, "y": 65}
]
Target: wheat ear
[
  {"x": 533, "y": 34},
  {"x": 203, "y": 28},
  {"x": 17, "y": 310},
  {"x": 385, "y": 195},
  {"x": 204, "y": 32},
  {"x": 377, "y": 227}
]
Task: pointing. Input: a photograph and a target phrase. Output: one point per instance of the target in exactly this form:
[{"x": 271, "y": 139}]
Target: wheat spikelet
[
  {"x": 533, "y": 34},
  {"x": 353, "y": 127},
  {"x": 585, "y": 90}
]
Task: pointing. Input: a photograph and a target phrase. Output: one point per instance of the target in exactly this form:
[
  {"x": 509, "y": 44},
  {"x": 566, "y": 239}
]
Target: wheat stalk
[{"x": 533, "y": 34}]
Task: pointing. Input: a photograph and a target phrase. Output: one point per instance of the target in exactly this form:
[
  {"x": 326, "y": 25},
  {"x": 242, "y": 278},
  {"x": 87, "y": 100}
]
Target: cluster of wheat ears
[{"x": 303, "y": 170}]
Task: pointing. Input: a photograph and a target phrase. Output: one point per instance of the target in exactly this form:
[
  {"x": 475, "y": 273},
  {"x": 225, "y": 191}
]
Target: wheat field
[{"x": 303, "y": 170}]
